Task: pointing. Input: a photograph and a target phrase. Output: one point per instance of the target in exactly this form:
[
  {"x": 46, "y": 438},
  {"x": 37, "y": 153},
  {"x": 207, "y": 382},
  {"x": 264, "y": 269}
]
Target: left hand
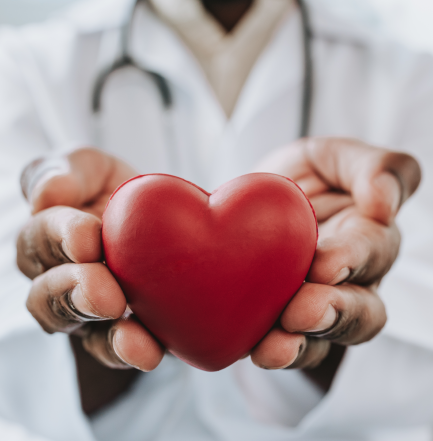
[{"x": 356, "y": 191}]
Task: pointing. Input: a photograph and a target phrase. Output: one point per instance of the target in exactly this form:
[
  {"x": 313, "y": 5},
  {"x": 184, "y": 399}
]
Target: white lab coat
[{"x": 363, "y": 88}]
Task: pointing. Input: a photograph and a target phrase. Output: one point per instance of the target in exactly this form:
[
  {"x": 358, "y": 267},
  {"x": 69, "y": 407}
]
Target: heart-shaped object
[{"x": 209, "y": 274}]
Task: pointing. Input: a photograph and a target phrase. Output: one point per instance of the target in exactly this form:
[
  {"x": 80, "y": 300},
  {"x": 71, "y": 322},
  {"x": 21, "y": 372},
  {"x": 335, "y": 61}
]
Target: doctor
[{"x": 209, "y": 107}]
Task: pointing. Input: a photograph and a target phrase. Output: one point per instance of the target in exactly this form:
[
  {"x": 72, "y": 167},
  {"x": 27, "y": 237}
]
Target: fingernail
[
  {"x": 389, "y": 186},
  {"x": 340, "y": 277},
  {"x": 68, "y": 253},
  {"x": 327, "y": 320},
  {"x": 112, "y": 337},
  {"x": 116, "y": 351},
  {"x": 293, "y": 360},
  {"x": 79, "y": 304},
  {"x": 287, "y": 364}
]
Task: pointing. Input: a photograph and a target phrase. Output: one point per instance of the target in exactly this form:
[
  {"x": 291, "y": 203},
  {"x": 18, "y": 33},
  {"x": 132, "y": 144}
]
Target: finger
[
  {"x": 346, "y": 314},
  {"x": 280, "y": 350},
  {"x": 123, "y": 344},
  {"x": 379, "y": 180},
  {"x": 292, "y": 162},
  {"x": 65, "y": 297},
  {"x": 58, "y": 235},
  {"x": 288, "y": 161},
  {"x": 354, "y": 248},
  {"x": 74, "y": 180},
  {"x": 329, "y": 203}
]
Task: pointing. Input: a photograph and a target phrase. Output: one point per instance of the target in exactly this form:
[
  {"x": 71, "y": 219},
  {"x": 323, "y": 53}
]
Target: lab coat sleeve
[
  {"x": 408, "y": 288},
  {"x": 383, "y": 389},
  {"x": 12, "y": 432},
  {"x": 39, "y": 394},
  {"x": 21, "y": 140}
]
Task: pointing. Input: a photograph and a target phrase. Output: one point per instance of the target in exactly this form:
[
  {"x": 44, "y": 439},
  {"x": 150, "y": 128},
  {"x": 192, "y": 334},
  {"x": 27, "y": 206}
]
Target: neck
[{"x": 227, "y": 12}]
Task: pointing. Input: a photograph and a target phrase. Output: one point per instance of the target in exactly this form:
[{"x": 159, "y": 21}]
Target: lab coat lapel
[
  {"x": 196, "y": 119},
  {"x": 272, "y": 74},
  {"x": 270, "y": 95}
]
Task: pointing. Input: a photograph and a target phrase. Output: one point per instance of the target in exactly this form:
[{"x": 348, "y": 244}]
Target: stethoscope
[{"x": 125, "y": 60}]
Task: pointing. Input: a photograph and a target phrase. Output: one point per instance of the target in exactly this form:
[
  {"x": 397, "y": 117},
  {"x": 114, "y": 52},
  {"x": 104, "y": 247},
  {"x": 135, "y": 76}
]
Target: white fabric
[
  {"x": 226, "y": 58},
  {"x": 364, "y": 88}
]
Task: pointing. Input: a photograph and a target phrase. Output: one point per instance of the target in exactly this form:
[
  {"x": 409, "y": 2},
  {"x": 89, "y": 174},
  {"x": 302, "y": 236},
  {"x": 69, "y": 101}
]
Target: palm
[
  {"x": 85, "y": 181},
  {"x": 293, "y": 163}
]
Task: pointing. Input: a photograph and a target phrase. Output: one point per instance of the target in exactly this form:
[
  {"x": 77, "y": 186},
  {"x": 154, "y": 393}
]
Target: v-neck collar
[
  {"x": 226, "y": 58},
  {"x": 157, "y": 47}
]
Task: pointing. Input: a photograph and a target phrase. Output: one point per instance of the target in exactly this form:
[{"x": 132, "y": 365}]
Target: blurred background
[{"x": 409, "y": 21}]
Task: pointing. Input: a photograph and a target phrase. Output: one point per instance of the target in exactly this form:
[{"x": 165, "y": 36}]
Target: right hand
[{"x": 60, "y": 248}]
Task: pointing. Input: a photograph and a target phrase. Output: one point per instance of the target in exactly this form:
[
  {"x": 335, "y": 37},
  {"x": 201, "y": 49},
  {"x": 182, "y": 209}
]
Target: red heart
[{"x": 209, "y": 274}]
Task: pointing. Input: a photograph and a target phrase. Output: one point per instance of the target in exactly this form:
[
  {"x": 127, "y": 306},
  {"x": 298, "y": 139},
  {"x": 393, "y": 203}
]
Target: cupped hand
[
  {"x": 356, "y": 190},
  {"x": 60, "y": 248}
]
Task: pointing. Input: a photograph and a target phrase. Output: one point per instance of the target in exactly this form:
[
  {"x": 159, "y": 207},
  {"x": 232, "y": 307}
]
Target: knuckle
[
  {"x": 315, "y": 146},
  {"x": 395, "y": 241},
  {"x": 39, "y": 313},
  {"x": 52, "y": 312},
  {"x": 28, "y": 259},
  {"x": 312, "y": 353},
  {"x": 320, "y": 350},
  {"x": 37, "y": 248},
  {"x": 53, "y": 223},
  {"x": 54, "y": 252},
  {"x": 300, "y": 360},
  {"x": 60, "y": 308},
  {"x": 406, "y": 168},
  {"x": 377, "y": 322},
  {"x": 98, "y": 342},
  {"x": 60, "y": 316},
  {"x": 360, "y": 325},
  {"x": 31, "y": 305},
  {"x": 377, "y": 256},
  {"x": 346, "y": 327}
]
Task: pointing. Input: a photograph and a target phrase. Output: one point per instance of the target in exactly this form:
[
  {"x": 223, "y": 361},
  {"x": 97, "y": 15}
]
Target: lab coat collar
[
  {"x": 157, "y": 48},
  {"x": 273, "y": 74},
  {"x": 98, "y": 15}
]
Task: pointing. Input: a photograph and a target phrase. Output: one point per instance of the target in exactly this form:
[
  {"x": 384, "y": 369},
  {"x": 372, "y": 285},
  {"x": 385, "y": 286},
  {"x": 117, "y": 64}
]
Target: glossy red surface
[{"x": 209, "y": 275}]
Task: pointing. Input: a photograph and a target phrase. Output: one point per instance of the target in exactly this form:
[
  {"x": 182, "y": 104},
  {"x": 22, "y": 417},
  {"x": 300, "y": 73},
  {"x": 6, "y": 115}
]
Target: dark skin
[
  {"x": 355, "y": 189},
  {"x": 227, "y": 12}
]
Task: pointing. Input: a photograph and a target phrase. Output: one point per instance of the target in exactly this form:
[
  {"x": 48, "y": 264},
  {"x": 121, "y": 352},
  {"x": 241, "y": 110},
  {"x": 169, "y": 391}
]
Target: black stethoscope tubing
[{"x": 125, "y": 60}]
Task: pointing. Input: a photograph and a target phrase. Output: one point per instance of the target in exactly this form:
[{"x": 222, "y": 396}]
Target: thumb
[
  {"x": 72, "y": 180},
  {"x": 379, "y": 180},
  {"x": 384, "y": 183}
]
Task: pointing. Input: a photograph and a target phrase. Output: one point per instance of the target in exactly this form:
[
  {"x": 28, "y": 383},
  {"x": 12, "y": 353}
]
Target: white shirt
[
  {"x": 364, "y": 88},
  {"x": 226, "y": 58}
]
